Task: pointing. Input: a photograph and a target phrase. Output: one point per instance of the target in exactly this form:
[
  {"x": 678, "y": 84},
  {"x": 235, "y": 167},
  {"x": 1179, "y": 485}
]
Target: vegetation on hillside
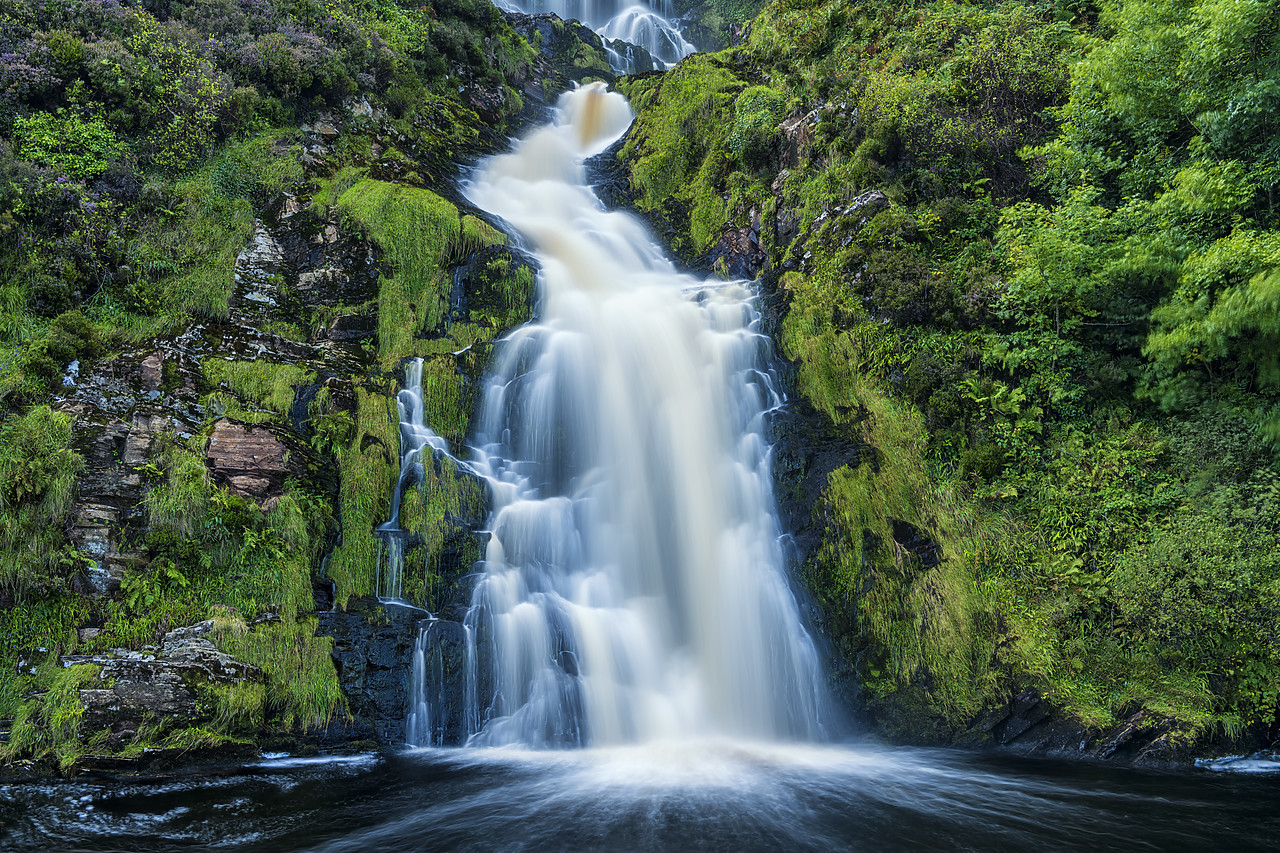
[
  {"x": 1029, "y": 261},
  {"x": 1029, "y": 255},
  {"x": 138, "y": 145}
]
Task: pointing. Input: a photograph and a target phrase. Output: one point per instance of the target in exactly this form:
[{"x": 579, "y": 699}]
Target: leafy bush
[{"x": 82, "y": 149}]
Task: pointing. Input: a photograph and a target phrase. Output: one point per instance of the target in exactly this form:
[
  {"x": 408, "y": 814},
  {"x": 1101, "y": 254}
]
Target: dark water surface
[{"x": 730, "y": 797}]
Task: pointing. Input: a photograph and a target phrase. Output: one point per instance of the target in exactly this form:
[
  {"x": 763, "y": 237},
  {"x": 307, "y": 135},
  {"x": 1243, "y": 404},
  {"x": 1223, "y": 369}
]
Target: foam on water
[
  {"x": 633, "y": 588},
  {"x": 647, "y": 24}
]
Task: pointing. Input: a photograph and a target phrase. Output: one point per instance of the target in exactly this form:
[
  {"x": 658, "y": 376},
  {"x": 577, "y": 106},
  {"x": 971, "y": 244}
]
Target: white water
[
  {"x": 649, "y": 29},
  {"x": 647, "y": 23},
  {"x": 416, "y": 439},
  {"x": 633, "y": 585}
]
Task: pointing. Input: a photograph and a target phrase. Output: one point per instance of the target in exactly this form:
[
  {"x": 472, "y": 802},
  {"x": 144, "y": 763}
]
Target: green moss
[
  {"x": 49, "y": 726},
  {"x": 368, "y": 468},
  {"x": 445, "y": 495},
  {"x": 183, "y": 497},
  {"x": 270, "y": 386},
  {"x": 302, "y": 686},
  {"x": 183, "y": 263},
  {"x": 36, "y": 630},
  {"x": 419, "y": 232},
  {"x": 476, "y": 234},
  {"x": 676, "y": 150},
  {"x": 930, "y": 629}
]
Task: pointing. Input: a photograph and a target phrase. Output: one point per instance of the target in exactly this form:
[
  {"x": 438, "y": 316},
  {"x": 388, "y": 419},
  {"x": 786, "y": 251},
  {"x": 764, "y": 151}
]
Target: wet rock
[
  {"x": 372, "y": 651},
  {"x": 91, "y": 532},
  {"x": 139, "y": 686},
  {"x": 1024, "y": 712},
  {"x": 251, "y": 461},
  {"x": 568, "y": 51},
  {"x": 807, "y": 448},
  {"x": 737, "y": 254},
  {"x": 608, "y": 176},
  {"x": 314, "y": 158},
  {"x": 257, "y": 268},
  {"x": 444, "y": 655},
  {"x": 632, "y": 58},
  {"x": 1030, "y": 725},
  {"x": 29, "y": 659}
]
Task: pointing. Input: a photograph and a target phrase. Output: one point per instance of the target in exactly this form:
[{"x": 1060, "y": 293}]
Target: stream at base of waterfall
[{"x": 633, "y": 588}]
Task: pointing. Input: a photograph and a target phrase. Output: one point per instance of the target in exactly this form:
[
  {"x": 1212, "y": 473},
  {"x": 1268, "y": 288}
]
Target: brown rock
[
  {"x": 152, "y": 367},
  {"x": 142, "y": 434},
  {"x": 250, "y": 460}
]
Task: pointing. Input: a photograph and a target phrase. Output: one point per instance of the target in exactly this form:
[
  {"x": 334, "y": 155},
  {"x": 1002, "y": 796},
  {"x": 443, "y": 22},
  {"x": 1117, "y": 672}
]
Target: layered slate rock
[
  {"x": 140, "y": 686},
  {"x": 248, "y": 460}
]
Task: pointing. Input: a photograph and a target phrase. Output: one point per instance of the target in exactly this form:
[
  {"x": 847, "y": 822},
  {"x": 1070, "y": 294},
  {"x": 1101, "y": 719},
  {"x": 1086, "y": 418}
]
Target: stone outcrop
[
  {"x": 248, "y": 460},
  {"x": 373, "y": 647},
  {"x": 738, "y": 254},
  {"x": 1028, "y": 724},
  {"x": 567, "y": 51},
  {"x": 136, "y": 687}
]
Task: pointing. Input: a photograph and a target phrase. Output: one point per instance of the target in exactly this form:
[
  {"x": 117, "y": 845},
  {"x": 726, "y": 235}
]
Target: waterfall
[
  {"x": 649, "y": 29},
  {"x": 633, "y": 586},
  {"x": 648, "y": 24},
  {"x": 415, "y": 439}
]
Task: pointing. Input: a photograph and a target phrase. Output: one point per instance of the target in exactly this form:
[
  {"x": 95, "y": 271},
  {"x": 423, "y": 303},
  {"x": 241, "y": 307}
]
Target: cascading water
[
  {"x": 415, "y": 439},
  {"x": 654, "y": 32},
  {"x": 647, "y": 24},
  {"x": 632, "y": 588}
]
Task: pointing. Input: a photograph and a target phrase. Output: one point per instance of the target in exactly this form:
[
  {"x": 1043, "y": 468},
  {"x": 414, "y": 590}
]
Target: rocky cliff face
[{"x": 240, "y": 459}]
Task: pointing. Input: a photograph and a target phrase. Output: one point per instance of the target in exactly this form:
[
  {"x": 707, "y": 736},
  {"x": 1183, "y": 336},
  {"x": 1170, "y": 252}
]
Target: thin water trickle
[
  {"x": 633, "y": 587},
  {"x": 416, "y": 441}
]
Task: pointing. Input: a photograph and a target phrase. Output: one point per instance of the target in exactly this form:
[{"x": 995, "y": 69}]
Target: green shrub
[
  {"x": 38, "y": 473},
  {"x": 81, "y": 148}
]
